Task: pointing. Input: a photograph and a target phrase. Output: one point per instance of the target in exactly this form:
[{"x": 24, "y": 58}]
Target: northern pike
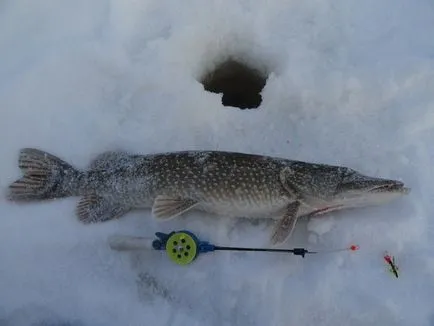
[{"x": 224, "y": 183}]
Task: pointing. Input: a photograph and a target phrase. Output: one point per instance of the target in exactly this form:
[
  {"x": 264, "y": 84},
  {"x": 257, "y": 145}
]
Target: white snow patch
[{"x": 320, "y": 226}]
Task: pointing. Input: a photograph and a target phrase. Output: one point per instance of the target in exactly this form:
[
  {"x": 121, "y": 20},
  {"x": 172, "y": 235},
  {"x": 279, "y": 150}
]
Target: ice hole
[{"x": 241, "y": 84}]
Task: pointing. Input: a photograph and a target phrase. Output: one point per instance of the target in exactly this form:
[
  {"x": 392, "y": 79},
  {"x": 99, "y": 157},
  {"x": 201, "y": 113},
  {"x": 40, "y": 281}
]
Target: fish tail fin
[{"x": 45, "y": 176}]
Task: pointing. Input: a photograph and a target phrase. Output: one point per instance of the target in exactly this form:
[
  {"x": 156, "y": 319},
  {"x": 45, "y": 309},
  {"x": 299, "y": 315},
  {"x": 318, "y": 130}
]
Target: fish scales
[
  {"x": 232, "y": 181},
  {"x": 235, "y": 182}
]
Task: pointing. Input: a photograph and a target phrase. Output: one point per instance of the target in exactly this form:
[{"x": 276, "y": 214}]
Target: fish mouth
[{"x": 390, "y": 187}]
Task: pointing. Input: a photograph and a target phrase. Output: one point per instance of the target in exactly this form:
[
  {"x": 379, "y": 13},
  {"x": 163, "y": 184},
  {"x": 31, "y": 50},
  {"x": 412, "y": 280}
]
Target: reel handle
[{"x": 129, "y": 243}]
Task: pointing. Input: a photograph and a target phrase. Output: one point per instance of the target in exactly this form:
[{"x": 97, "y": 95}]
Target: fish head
[
  {"x": 327, "y": 188},
  {"x": 358, "y": 190}
]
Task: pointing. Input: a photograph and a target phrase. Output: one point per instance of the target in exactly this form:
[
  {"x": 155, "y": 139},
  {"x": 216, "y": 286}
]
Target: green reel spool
[{"x": 181, "y": 247}]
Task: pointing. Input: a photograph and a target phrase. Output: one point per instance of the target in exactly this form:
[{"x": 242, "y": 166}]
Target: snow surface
[{"x": 351, "y": 83}]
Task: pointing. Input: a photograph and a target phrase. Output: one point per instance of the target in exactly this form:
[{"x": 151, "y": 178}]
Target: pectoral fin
[
  {"x": 167, "y": 207},
  {"x": 284, "y": 227}
]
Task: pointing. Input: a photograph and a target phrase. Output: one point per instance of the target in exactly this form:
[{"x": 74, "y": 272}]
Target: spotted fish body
[{"x": 224, "y": 183}]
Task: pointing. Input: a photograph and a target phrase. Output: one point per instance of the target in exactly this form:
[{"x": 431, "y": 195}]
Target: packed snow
[{"x": 350, "y": 83}]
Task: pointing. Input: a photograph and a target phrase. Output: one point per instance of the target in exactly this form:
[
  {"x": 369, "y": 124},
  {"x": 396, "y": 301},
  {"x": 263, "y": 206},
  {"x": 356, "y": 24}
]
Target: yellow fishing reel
[{"x": 182, "y": 247}]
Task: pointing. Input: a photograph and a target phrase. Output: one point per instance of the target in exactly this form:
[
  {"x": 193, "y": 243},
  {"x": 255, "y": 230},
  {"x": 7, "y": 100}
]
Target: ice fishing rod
[{"x": 183, "y": 247}]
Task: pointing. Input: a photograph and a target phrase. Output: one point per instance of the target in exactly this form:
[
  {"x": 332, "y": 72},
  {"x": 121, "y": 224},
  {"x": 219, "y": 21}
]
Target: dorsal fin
[{"x": 109, "y": 160}]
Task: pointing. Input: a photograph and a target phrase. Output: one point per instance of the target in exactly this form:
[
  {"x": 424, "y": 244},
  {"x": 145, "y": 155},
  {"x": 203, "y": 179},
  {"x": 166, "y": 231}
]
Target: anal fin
[
  {"x": 284, "y": 227},
  {"x": 94, "y": 209},
  {"x": 167, "y": 207}
]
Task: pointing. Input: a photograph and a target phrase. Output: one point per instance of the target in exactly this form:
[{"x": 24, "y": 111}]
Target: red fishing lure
[{"x": 390, "y": 260}]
